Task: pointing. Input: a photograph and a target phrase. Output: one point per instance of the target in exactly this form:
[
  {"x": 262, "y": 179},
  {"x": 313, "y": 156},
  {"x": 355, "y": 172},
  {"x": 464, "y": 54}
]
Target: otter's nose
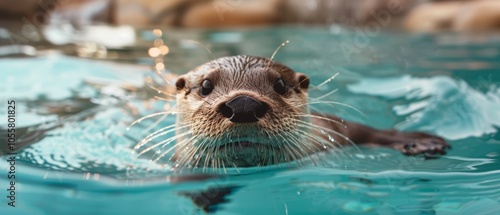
[{"x": 244, "y": 109}]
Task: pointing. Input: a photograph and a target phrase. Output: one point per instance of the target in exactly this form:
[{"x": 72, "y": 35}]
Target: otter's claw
[{"x": 428, "y": 146}]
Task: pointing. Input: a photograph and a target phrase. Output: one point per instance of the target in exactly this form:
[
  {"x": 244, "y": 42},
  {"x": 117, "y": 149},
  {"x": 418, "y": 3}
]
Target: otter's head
[{"x": 241, "y": 111}]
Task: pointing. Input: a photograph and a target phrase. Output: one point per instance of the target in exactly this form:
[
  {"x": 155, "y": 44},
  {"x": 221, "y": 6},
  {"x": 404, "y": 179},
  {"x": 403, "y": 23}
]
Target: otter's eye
[
  {"x": 280, "y": 87},
  {"x": 206, "y": 87}
]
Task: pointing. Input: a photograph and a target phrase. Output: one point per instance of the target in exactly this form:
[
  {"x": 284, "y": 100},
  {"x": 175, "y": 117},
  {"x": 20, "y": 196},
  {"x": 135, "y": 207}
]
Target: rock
[
  {"x": 478, "y": 15},
  {"x": 455, "y": 16},
  {"x": 432, "y": 16}
]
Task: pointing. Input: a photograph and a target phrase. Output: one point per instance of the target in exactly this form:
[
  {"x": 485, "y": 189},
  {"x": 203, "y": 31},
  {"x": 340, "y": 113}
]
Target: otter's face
[{"x": 241, "y": 111}]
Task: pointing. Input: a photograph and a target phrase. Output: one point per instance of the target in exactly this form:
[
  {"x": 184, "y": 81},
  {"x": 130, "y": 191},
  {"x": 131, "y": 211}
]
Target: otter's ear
[
  {"x": 181, "y": 82},
  {"x": 302, "y": 80}
]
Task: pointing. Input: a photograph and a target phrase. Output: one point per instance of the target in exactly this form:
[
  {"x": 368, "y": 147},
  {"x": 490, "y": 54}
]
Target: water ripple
[{"x": 445, "y": 106}]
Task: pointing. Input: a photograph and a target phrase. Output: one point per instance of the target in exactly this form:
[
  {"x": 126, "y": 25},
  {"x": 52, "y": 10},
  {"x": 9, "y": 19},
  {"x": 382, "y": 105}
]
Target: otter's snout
[{"x": 243, "y": 109}]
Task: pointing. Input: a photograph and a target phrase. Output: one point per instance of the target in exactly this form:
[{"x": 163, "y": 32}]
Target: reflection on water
[{"x": 443, "y": 84}]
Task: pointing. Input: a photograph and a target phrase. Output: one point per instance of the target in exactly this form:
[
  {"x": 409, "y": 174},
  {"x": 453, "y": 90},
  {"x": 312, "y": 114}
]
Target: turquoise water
[{"x": 84, "y": 163}]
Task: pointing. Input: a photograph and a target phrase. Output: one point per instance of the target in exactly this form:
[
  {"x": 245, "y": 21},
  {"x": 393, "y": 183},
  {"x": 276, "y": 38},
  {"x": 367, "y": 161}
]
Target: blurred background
[
  {"x": 111, "y": 29},
  {"x": 415, "y": 15}
]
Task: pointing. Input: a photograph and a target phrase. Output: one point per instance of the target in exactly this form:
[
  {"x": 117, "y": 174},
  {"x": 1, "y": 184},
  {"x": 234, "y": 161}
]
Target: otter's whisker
[
  {"x": 152, "y": 136},
  {"x": 236, "y": 167},
  {"x": 306, "y": 153},
  {"x": 213, "y": 160},
  {"x": 308, "y": 125},
  {"x": 165, "y": 142},
  {"x": 275, "y": 138},
  {"x": 224, "y": 168},
  {"x": 325, "y": 131},
  {"x": 195, "y": 152},
  {"x": 318, "y": 111},
  {"x": 159, "y": 154},
  {"x": 314, "y": 139},
  {"x": 335, "y": 103},
  {"x": 329, "y": 147},
  {"x": 325, "y": 95},
  {"x": 208, "y": 157},
  {"x": 274, "y": 53},
  {"x": 149, "y": 116},
  {"x": 186, "y": 153},
  {"x": 210, "y": 153},
  {"x": 304, "y": 148},
  {"x": 293, "y": 150},
  {"x": 154, "y": 124},
  {"x": 208, "y": 50},
  {"x": 156, "y": 134},
  {"x": 184, "y": 159},
  {"x": 157, "y": 121},
  {"x": 322, "y": 118},
  {"x": 327, "y": 81},
  {"x": 164, "y": 99},
  {"x": 329, "y": 144},
  {"x": 157, "y": 72},
  {"x": 201, "y": 152},
  {"x": 161, "y": 91},
  {"x": 202, "y": 99}
]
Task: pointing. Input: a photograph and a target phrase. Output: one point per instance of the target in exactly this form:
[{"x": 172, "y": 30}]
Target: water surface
[{"x": 84, "y": 163}]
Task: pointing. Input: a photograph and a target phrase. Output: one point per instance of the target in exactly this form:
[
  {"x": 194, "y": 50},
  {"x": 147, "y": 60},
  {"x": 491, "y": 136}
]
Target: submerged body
[{"x": 250, "y": 111}]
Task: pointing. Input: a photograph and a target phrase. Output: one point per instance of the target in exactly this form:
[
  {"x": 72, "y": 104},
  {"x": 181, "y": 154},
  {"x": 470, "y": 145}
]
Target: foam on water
[{"x": 462, "y": 110}]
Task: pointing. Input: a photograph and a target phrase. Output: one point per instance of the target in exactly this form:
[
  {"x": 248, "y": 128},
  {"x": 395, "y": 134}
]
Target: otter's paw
[{"x": 427, "y": 145}]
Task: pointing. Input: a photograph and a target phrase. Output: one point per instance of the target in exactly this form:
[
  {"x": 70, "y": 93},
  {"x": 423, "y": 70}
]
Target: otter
[{"x": 244, "y": 111}]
